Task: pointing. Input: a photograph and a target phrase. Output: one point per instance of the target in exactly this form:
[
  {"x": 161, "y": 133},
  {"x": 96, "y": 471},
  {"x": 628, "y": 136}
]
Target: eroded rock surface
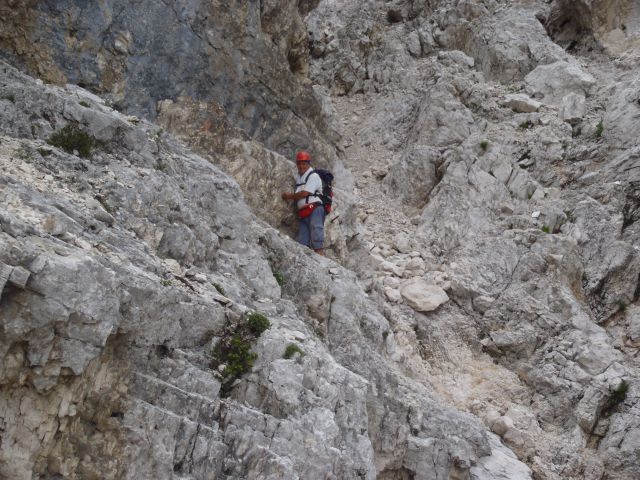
[{"x": 486, "y": 149}]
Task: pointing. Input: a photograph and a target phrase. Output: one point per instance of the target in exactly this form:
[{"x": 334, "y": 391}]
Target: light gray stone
[
  {"x": 573, "y": 108},
  {"x": 422, "y": 296},
  {"x": 19, "y": 277},
  {"x": 554, "y": 81},
  {"x": 521, "y": 103}
]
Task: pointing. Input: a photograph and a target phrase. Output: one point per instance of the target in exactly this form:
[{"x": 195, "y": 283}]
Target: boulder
[
  {"x": 521, "y": 103},
  {"x": 553, "y": 82},
  {"x": 422, "y": 296},
  {"x": 573, "y": 108}
]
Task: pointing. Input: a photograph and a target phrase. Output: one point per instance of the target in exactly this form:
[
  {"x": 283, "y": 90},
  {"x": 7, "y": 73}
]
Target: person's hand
[{"x": 287, "y": 196}]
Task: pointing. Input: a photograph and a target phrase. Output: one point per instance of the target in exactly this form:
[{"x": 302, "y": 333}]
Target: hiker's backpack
[{"x": 327, "y": 189}]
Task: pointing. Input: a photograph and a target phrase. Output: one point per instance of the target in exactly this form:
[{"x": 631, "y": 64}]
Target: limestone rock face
[
  {"x": 475, "y": 315},
  {"x": 615, "y": 25},
  {"x": 246, "y": 59},
  {"x": 552, "y": 82},
  {"x": 109, "y": 332},
  {"x": 507, "y": 43}
]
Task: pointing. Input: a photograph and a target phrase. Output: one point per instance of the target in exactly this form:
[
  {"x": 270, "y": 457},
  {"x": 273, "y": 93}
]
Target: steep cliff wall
[
  {"x": 487, "y": 194},
  {"x": 249, "y": 58}
]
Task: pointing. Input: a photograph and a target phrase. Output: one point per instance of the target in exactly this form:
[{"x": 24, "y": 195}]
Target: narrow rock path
[{"x": 369, "y": 162}]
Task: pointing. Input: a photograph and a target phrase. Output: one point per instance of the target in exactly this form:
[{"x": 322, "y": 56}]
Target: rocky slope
[{"x": 487, "y": 327}]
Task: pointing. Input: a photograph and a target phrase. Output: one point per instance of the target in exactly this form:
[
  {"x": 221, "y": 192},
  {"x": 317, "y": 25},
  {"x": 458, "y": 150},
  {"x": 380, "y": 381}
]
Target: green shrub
[
  {"x": 617, "y": 397},
  {"x": 44, "y": 151},
  {"x": 165, "y": 282},
  {"x": 599, "y": 129},
  {"x": 258, "y": 323},
  {"x": 9, "y": 96},
  {"x": 291, "y": 350},
  {"x": 72, "y": 139},
  {"x": 526, "y": 125},
  {"x": 546, "y": 229},
  {"x": 484, "y": 144},
  {"x": 620, "y": 393},
  {"x": 84, "y": 104},
  {"x": 238, "y": 357},
  {"x": 219, "y": 288},
  {"x": 622, "y": 306},
  {"x": 279, "y": 276}
]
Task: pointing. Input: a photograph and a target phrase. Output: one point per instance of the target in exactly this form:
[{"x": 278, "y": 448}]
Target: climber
[{"x": 309, "y": 204}]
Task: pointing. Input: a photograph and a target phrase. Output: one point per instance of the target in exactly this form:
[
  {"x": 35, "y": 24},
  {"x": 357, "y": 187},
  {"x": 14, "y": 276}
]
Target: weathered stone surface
[
  {"x": 540, "y": 334},
  {"x": 506, "y": 43},
  {"x": 621, "y": 117},
  {"x": 573, "y": 108},
  {"x": 422, "y": 296},
  {"x": 519, "y": 102},
  {"x": 553, "y": 82},
  {"x": 116, "y": 340},
  {"x": 19, "y": 277},
  {"x": 244, "y": 57}
]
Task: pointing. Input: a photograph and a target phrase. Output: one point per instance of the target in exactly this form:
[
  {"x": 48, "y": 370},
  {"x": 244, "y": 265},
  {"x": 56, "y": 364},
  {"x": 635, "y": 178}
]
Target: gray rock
[
  {"x": 553, "y": 82},
  {"x": 522, "y": 103},
  {"x": 422, "y": 296},
  {"x": 502, "y": 464},
  {"x": 19, "y": 277},
  {"x": 573, "y": 108}
]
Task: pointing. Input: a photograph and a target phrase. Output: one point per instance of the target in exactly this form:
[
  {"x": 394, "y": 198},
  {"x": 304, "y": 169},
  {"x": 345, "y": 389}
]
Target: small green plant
[
  {"x": 165, "y": 282},
  {"x": 570, "y": 216},
  {"x": 484, "y": 144},
  {"x": 513, "y": 88},
  {"x": 617, "y": 397},
  {"x": 72, "y": 139},
  {"x": 546, "y": 229},
  {"x": 526, "y": 125},
  {"x": 44, "y": 151},
  {"x": 9, "y": 96},
  {"x": 622, "y": 306},
  {"x": 599, "y": 129},
  {"x": 238, "y": 357},
  {"x": 84, "y": 104},
  {"x": 233, "y": 350},
  {"x": 219, "y": 288},
  {"x": 25, "y": 153},
  {"x": 258, "y": 323},
  {"x": 279, "y": 276},
  {"x": 620, "y": 393},
  {"x": 291, "y": 350}
]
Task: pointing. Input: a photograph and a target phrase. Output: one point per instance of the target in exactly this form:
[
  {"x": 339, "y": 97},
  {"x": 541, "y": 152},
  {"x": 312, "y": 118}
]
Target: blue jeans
[{"x": 311, "y": 229}]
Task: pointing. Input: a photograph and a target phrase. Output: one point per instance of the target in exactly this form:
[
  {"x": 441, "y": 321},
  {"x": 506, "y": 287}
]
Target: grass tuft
[
  {"x": 219, "y": 288},
  {"x": 71, "y": 139},
  {"x": 291, "y": 350},
  {"x": 599, "y": 129}
]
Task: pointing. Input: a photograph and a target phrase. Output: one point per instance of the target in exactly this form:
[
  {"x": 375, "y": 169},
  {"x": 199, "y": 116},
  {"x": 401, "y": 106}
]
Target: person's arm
[{"x": 295, "y": 196}]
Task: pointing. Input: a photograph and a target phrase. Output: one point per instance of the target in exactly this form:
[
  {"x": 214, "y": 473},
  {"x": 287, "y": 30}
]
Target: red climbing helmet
[{"x": 303, "y": 157}]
